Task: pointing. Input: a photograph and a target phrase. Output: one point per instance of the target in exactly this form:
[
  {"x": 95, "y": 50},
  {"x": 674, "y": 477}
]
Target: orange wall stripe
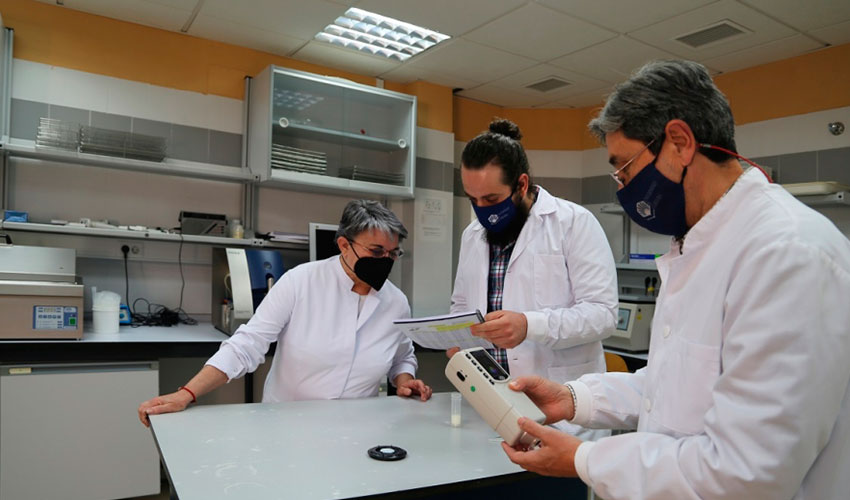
[
  {"x": 804, "y": 84},
  {"x": 68, "y": 38},
  {"x": 72, "y": 39}
]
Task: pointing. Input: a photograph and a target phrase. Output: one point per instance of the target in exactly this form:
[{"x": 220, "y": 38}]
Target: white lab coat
[
  {"x": 562, "y": 276},
  {"x": 745, "y": 394},
  {"x": 324, "y": 351}
]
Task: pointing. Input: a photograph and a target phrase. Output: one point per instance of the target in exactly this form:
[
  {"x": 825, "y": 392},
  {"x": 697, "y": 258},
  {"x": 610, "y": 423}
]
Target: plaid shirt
[{"x": 499, "y": 258}]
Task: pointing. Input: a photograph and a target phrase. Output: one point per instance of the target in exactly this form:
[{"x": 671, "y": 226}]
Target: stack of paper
[{"x": 444, "y": 332}]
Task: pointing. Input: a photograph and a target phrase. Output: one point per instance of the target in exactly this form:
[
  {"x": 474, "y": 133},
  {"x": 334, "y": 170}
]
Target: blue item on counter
[
  {"x": 262, "y": 266},
  {"x": 124, "y": 316},
  {"x": 645, "y": 256},
  {"x": 15, "y": 216}
]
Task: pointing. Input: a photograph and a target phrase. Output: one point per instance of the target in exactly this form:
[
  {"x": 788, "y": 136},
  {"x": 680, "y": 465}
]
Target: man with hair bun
[{"x": 540, "y": 266}]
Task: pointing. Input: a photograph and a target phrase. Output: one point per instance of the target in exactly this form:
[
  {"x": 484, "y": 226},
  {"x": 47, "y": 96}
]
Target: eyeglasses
[
  {"x": 379, "y": 252},
  {"x": 616, "y": 174}
]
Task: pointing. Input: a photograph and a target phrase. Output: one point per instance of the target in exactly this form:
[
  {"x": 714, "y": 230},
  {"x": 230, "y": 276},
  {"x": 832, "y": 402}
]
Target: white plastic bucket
[
  {"x": 105, "y": 311},
  {"x": 105, "y": 321}
]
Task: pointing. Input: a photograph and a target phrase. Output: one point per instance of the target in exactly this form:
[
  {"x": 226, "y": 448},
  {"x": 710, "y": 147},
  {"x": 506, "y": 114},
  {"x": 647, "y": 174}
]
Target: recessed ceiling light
[{"x": 375, "y": 34}]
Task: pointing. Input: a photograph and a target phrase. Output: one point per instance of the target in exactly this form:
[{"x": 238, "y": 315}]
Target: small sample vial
[
  {"x": 456, "y": 400},
  {"x": 236, "y": 229}
]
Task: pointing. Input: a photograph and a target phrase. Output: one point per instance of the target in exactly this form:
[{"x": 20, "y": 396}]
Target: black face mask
[{"x": 372, "y": 270}]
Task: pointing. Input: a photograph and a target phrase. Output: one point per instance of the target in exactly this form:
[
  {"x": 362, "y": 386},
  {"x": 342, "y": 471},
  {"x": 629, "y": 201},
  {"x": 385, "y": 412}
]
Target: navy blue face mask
[
  {"x": 495, "y": 218},
  {"x": 655, "y": 202}
]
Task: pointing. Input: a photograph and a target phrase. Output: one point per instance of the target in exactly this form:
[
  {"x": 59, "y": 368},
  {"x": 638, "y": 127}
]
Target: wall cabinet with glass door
[{"x": 330, "y": 134}]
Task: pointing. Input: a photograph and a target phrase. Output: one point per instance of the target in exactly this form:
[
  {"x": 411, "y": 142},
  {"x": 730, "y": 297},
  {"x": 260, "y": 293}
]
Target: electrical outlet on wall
[{"x": 137, "y": 249}]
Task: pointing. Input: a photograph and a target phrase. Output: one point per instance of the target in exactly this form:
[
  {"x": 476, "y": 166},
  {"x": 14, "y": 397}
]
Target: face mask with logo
[
  {"x": 495, "y": 218},
  {"x": 655, "y": 202}
]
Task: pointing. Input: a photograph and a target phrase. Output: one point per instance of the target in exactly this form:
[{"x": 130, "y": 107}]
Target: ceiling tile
[
  {"x": 446, "y": 16},
  {"x": 837, "y": 34},
  {"x": 188, "y": 5},
  {"x": 469, "y": 61},
  {"x": 807, "y": 15},
  {"x": 579, "y": 84},
  {"x": 139, "y": 12},
  {"x": 595, "y": 98},
  {"x": 763, "y": 29},
  {"x": 344, "y": 59},
  {"x": 554, "y": 105},
  {"x": 493, "y": 94},
  {"x": 404, "y": 74},
  {"x": 761, "y": 54},
  {"x": 611, "y": 61},
  {"x": 543, "y": 33},
  {"x": 234, "y": 33},
  {"x": 295, "y": 18},
  {"x": 612, "y": 14}
]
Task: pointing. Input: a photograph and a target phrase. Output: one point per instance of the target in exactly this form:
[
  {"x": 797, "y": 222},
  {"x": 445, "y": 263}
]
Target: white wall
[
  {"x": 58, "y": 191},
  {"x": 34, "y": 81}
]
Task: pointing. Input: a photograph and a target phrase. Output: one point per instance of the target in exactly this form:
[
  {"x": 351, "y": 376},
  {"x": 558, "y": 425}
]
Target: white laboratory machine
[
  {"x": 40, "y": 295},
  {"x": 484, "y": 383},
  {"x": 634, "y": 320}
]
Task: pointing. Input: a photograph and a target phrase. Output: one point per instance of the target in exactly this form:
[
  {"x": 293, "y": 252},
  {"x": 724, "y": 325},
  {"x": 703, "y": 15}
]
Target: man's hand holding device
[
  {"x": 484, "y": 383},
  {"x": 555, "y": 455}
]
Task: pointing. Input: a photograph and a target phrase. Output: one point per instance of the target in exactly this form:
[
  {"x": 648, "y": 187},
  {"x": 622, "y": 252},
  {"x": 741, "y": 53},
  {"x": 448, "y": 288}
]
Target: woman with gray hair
[{"x": 332, "y": 321}]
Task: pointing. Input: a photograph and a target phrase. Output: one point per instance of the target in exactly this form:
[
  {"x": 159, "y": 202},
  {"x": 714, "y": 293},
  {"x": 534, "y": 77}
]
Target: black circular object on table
[{"x": 387, "y": 453}]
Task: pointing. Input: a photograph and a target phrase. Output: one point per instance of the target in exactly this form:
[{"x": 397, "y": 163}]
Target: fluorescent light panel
[{"x": 379, "y": 35}]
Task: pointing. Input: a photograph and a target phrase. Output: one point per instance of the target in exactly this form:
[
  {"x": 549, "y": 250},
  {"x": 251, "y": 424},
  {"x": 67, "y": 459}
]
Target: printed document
[{"x": 444, "y": 332}]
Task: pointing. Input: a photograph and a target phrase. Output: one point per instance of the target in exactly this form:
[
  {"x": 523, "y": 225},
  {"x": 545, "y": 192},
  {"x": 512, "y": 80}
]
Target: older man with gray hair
[
  {"x": 746, "y": 393},
  {"x": 332, "y": 321}
]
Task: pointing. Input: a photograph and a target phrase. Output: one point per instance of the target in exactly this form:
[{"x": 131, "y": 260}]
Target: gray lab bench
[
  {"x": 318, "y": 450},
  {"x": 128, "y": 344}
]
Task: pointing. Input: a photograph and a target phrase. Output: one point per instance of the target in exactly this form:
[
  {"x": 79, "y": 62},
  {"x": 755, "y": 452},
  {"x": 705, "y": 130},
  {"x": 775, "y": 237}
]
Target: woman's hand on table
[
  {"x": 167, "y": 403},
  {"x": 407, "y": 386}
]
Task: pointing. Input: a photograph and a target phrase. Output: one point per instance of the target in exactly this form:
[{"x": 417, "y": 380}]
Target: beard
[{"x": 511, "y": 232}]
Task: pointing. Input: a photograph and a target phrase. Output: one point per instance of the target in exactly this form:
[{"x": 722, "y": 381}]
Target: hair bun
[{"x": 505, "y": 127}]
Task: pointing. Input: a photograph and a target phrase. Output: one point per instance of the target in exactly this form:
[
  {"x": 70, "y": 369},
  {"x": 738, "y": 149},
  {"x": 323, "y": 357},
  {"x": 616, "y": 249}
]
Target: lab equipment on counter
[
  {"x": 634, "y": 320},
  {"x": 40, "y": 295},
  {"x": 200, "y": 223},
  {"x": 322, "y": 240},
  {"x": 484, "y": 383},
  {"x": 124, "y": 315},
  {"x": 105, "y": 311},
  {"x": 241, "y": 280}
]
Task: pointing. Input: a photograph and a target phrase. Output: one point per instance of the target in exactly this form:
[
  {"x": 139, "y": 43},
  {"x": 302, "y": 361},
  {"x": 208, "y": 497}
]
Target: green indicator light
[
  {"x": 72, "y": 321},
  {"x": 472, "y": 388}
]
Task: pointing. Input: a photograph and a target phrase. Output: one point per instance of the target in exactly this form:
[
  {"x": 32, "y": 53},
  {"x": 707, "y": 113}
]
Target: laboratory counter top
[
  {"x": 318, "y": 450},
  {"x": 144, "y": 342}
]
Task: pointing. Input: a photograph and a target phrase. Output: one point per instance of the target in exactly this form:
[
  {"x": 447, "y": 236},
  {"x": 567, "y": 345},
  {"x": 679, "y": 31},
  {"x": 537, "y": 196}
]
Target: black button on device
[
  {"x": 387, "y": 453},
  {"x": 460, "y": 376}
]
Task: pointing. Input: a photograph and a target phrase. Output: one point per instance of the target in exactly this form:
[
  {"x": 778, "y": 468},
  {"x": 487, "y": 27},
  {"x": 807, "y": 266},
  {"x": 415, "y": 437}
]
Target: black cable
[
  {"x": 158, "y": 314},
  {"x": 126, "y": 250},
  {"x": 180, "y": 265}
]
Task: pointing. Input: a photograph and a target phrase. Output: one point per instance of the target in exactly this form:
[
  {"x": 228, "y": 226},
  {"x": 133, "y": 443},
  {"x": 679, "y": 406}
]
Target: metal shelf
[
  {"x": 327, "y": 184},
  {"x": 639, "y": 265},
  {"x": 311, "y": 132},
  {"x": 150, "y": 234},
  {"x": 627, "y": 354},
  {"x": 833, "y": 199},
  {"x": 209, "y": 171},
  {"x": 612, "y": 208}
]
